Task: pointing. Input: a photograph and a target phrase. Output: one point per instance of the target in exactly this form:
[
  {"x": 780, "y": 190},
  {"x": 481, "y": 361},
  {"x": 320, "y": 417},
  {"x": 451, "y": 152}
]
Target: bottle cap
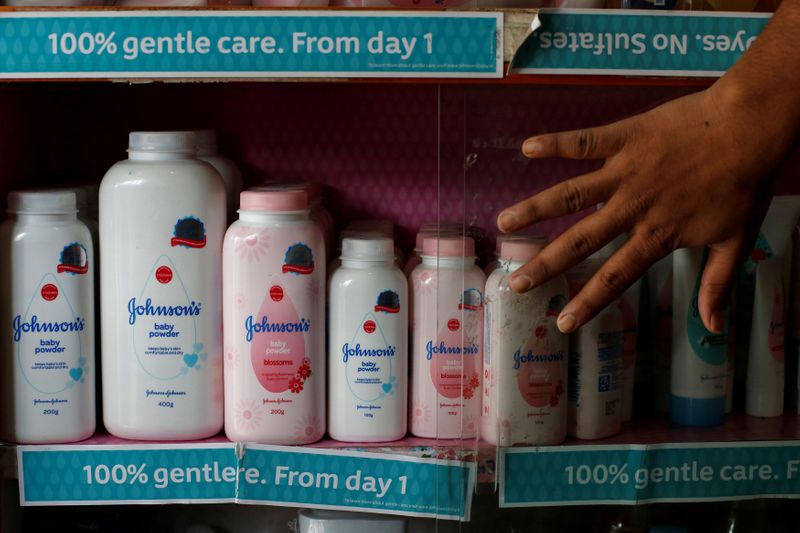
[
  {"x": 698, "y": 412},
  {"x": 311, "y": 188},
  {"x": 273, "y": 201},
  {"x": 521, "y": 250},
  {"x": 433, "y": 229},
  {"x": 382, "y": 226},
  {"x": 206, "y": 142},
  {"x": 179, "y": 142},
  {"x": 43, "y": 202},
  {"x": 448, "y": 247},
  {"x": 367, "y": 248}
]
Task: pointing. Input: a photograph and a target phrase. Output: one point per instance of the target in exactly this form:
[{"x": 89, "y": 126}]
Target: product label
[
  {"x": 278, "y": 344},
  {"x": 73, "y": 260},
  {"x": 777, "y": 331},
  {"x": 369, "y": 358},
  {"x": 455, "y": 355},
  {"x": 163, "y": 321},
  {"x": 609, "y": 352},
  {"x": 538, "y": 368},
  {"x": 49, "y": 342}
]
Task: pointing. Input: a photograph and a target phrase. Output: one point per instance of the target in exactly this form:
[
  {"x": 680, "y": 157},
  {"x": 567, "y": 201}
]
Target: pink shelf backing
[{"x": 410, "y": 152}]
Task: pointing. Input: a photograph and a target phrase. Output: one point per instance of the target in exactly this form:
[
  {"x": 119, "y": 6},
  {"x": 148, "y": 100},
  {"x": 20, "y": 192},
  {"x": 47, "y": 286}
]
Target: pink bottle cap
[
  {"x": 521, "y": 250},
  {"x": 273, "y": 201},
  {"x": 312, "y": 189},
  {"x": 420, "y": 242},
  {"x": 448, "y": 247}
]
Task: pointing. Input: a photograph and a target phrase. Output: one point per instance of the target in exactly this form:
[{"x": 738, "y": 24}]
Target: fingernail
[
  {"x": 521, "y": 282},
  {"x": 566, "y": 323},
  {"x": 506, "y": 220},
  {"x": 717, "y": 321},
  {"x": 532, "y": 147}
]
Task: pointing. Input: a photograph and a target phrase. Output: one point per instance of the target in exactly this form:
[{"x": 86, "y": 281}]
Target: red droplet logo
[
  {"x": 369, "y": 326},
  {"x": 276, "y": 293},
  {"x": 453, "y": 324},
  {"x": 541, "y": 331},
  {"x": 164, "y": 274},
  {"x": 49, "y": 292}
]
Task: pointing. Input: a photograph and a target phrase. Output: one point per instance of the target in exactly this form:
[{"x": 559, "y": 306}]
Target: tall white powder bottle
[{"x": 162, "y": 218}]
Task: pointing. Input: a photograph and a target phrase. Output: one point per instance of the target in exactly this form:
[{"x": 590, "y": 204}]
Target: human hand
[{"x": 696, "y": 171}]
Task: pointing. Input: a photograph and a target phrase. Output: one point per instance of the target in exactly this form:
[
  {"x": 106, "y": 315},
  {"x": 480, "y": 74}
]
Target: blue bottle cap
[{"x": 698, "y": 412}]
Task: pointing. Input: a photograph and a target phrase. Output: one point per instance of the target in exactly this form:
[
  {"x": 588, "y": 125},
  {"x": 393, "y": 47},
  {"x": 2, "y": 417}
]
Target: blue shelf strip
[
  {"x": 643, "y": 43},
  {"x": 237, "y": 473},
  {"x": 631, "y": 474},
  {"x": 249, "y": 44}
]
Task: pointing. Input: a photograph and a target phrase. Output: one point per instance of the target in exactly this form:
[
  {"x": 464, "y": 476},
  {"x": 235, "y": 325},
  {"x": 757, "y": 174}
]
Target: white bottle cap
[
  {"x": 206, "y": 142},
  {"x": 44, "y": 202},
  {"x": 367, "y": 249},
  {"x": 382, "y": 226},
  {"x": 180, "y": 142}
]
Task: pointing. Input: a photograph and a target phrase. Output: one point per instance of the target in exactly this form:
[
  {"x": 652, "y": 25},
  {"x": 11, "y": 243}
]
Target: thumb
[{"x": 722, "y": 267}]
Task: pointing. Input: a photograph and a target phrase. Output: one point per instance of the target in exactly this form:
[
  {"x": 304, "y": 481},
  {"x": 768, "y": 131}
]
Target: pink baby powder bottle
[
  {"x": 525, "y": 356},
  {"x": 274, "y": 321},
  {"x": 447, "y": 340}
]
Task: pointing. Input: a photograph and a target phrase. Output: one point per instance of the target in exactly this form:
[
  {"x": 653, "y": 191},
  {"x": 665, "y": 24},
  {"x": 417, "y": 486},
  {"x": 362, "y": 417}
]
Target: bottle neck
[
  {"x": 260, "y": 217},
  {"x": 38, "y": 218},
  {"x": 134, "y": 155},
  {"x": 365, "y": 265},
  {"x": 448, "y": 262}
]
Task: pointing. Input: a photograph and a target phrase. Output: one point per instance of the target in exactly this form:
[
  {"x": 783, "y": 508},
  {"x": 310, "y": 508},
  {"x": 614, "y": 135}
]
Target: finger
[
  {"x": 567, "y": 197},
  {"x": 619, "y": 272},
  {"x": 588, "y": 143},
  {"x": 719, "y": 274},
  {"x": 570, "y": 248}
]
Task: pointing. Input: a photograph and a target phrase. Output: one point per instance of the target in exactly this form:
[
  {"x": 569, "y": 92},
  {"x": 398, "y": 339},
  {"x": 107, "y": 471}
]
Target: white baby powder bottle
[
  {"x": 274, "y": 321},
  {"x": 208, "y": 151},
  {"x": 47, "y": 268},
  {"x": 525, "y": 356},
  {"x": 595, "y": 366},
  {"x": 162, "y": 218},
  {"x": 367, "y": 350},
  {"x": 447, "y": 340}
]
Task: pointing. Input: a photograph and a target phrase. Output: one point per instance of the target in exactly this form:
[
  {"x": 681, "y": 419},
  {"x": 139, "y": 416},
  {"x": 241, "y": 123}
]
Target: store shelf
[
  {"x": 415, "y": 477},
  {"x": 541, "y": 47},
  {"x": 655, "y": 461}
]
